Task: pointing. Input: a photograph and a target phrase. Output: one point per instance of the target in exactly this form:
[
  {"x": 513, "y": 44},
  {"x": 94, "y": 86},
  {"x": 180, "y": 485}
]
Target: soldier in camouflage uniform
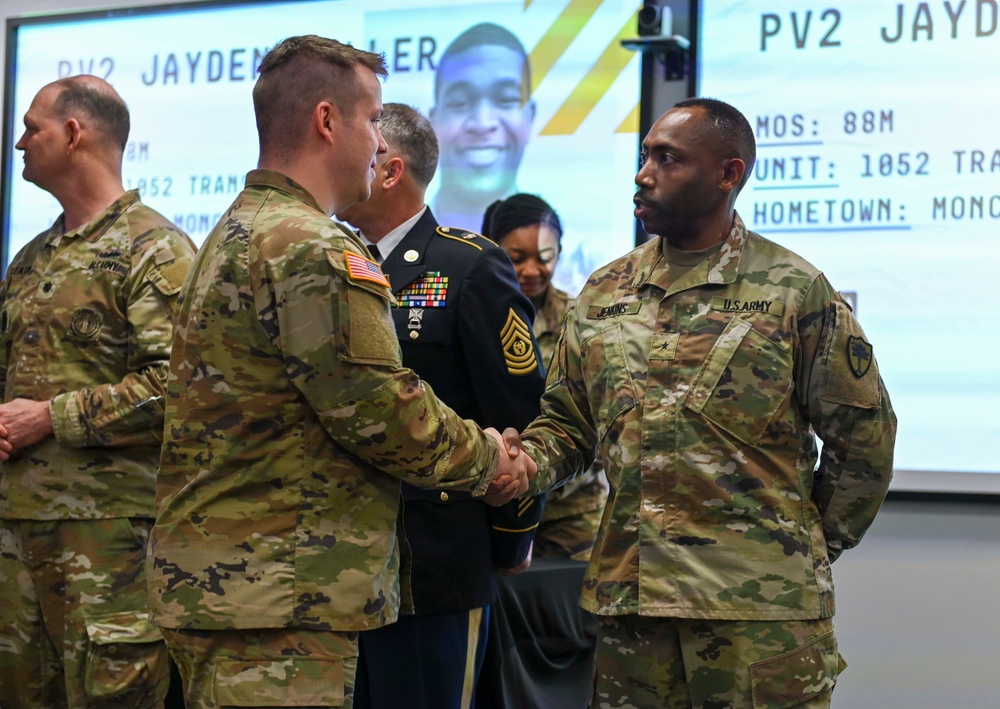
[
  {"x": 529, "y": 230},
  {"x": 290, "y": 420},
  {"x": 701, "y": 364},
  {"x": 85, "y": 332}
]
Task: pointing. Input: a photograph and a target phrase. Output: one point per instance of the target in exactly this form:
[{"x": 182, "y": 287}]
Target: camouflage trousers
[
  {"x": 74, "y": 621},
  {"x": 270, "y": 667},
  {"x": 670, "y": 663}
]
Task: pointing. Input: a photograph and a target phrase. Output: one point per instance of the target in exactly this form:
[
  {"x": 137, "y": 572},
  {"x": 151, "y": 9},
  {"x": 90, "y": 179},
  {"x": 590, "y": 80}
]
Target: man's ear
[
  {"x": 73, "y": 134},
  {"x": 733, "y": 170},
  {"x": 324, "y": 120},
  {"x": 532, "y": 108},
  {"x": 394, "y": 170}
]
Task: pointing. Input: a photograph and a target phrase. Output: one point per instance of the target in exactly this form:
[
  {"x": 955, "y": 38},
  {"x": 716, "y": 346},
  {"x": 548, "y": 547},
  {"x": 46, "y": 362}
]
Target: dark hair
[
  {"x": 410, "y": 133},
  {"x": 729, "y": 129},
  {"x": 485, "y": 34},
  {"x": 101, "y": 103},
  {"x": 519, "y": 210},
  {"x": 297, "y": 74}
]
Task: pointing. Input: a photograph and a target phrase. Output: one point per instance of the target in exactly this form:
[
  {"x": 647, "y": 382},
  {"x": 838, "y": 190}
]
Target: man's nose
[{"x": 483, "y": 116}]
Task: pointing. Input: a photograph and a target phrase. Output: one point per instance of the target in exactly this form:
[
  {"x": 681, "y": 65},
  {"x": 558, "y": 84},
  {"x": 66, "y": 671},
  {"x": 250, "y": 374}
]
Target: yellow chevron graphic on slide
[
  {"x": 594, "y": 85},
  {"x": 631, "y": 122},
  {"x": 562, "y": 32}
]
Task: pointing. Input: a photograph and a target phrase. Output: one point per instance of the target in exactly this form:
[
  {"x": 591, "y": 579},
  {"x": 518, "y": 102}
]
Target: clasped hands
[
  {"x": 515, "y": 469},
  {"x": 23, "y": 423}
]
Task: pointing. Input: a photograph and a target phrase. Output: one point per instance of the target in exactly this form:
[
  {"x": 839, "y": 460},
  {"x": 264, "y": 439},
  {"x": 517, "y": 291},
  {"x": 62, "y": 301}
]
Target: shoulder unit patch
[{"x": 859, "y": 356}]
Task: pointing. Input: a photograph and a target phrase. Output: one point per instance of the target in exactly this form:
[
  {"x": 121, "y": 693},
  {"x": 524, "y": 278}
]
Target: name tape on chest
[
  {"x": 361, "y": 269},
  {"x": 598, "y": 312},
  {"x": 737, "y": 305},
  {"x": 107, "y": 264}
]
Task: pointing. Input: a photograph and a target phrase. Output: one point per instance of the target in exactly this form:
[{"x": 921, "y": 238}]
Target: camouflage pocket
[
  {"x": 793, "y": 678},
  {"x": 126, "y": 659},
  {"x": 609, "y": 381},
  {"x": 285, "y": 682},
  {"x": 743, "y": 382}
]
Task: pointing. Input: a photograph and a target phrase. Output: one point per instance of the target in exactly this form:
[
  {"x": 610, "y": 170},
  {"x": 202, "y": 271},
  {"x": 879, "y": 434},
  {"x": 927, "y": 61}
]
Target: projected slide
[
  {"x": 879, "y": 161},
  {"x": 570, "y": 133}
]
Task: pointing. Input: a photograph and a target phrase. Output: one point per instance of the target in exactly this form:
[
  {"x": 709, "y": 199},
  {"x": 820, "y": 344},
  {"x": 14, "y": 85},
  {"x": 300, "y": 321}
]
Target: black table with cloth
[{"x": 541, "y": 639}]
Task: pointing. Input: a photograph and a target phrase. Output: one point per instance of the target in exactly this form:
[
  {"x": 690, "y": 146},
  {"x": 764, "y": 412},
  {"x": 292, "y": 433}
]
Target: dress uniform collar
[{"x": 388, "y": 243}]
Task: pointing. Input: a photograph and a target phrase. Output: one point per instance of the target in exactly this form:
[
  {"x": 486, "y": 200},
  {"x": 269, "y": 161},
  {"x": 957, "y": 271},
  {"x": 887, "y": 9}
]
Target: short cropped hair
[
  {"x": 729, "y": 130},
  {"x": 102, "y": 104},
  {"x": 485, "y": 34},
  {"x": 408, "y": 132},
  {"x": 298, "y": 73}
]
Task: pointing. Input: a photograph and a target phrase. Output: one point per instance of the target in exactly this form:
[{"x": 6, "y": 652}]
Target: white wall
[
  {"x": 918, "y": 602},
  {"x": 917, "y": 609}
]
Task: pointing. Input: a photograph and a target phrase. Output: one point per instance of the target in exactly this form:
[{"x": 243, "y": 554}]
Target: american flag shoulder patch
[{"x": 361, "y": 269}]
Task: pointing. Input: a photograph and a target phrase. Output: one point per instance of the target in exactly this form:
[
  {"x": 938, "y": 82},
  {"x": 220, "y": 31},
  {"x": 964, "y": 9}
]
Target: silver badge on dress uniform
[
  {"x": 411, "y": 256},
  {"x": 415, "y": 322}
]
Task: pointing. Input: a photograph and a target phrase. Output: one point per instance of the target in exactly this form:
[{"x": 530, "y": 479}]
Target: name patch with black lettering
[
  {"x": 111, "y": 265},
  {"x": 597, "y": 312},
  {"x": 737, "y": 305}
]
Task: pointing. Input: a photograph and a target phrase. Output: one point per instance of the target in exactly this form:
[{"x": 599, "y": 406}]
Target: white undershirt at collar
[{"x": 388, "y": 242}]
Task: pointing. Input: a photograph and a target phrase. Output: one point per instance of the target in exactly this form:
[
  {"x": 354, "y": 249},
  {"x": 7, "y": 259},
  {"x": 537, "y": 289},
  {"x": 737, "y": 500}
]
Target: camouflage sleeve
[
  {"x": 129, "y": 411},
  {"x": 563, "y": 439},
  {"x": 4, "y": 355},
  {"x": 848, "y": 407},
  {"x": 334, "y": 330}
]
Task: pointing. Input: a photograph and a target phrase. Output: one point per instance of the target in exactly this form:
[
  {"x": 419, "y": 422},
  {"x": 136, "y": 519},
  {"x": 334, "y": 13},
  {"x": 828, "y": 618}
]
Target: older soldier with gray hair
[
  {"x": 702, "y": 363},
  {"x": 85, "y": 333},
  {"x": 290, "y": 418},
  {"x": 462, "y": 323}
]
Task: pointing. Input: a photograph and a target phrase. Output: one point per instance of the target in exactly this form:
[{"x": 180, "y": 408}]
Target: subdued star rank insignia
[
  {"x": 859, "y": 356},
  {"x": 518, "y": 351}
]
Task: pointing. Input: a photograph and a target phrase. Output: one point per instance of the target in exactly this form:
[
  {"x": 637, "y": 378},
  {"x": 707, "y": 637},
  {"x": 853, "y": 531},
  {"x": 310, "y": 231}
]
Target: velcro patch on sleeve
[
  {"x": 361, "y": 269},
  {"x": 852, "y": 376}
]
